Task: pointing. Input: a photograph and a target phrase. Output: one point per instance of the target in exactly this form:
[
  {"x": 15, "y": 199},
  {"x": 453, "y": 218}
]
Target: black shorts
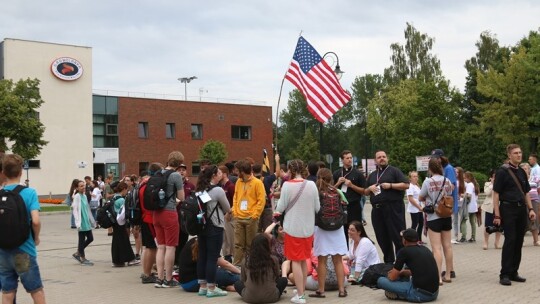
[
  {"x": 148, "y": 235},
  {"x": 441, "y": 224}
]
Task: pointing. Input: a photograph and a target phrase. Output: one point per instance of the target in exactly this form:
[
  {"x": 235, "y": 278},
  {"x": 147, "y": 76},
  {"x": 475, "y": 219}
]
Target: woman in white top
[
  {"x": 487, "y": 207},
  {"x": 95, "y": 198},
  {"x": 362, "y": 251},
  {"x": 472, "y": 189},
  {"x": 414, "y": 207},
  {"x": 439, "y": 229}
]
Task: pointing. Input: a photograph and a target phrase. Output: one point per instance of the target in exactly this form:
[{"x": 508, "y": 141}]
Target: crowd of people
[{"x": 263, "y": 233}]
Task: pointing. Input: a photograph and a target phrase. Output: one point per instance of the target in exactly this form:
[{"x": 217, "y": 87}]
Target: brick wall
[{"x": 157, "y": 113}]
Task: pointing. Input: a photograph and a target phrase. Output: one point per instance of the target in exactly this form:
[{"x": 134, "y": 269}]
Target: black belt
[
  {"x": 380, "y": 205},
  {"x": 516, "y": 204}
]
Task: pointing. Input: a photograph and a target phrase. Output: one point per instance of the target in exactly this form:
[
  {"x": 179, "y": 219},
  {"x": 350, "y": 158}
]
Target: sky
[{"x": 240, "y": 50}]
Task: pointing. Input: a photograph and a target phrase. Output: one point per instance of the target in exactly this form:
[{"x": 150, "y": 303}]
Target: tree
[
  {"x": 19, "y": 119},
  {"x": 213, "y": 150},
  {"x": 307, "y": 148},
  {"x": 413, "y": 60}
]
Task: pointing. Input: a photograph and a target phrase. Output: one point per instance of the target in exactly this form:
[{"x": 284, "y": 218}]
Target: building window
[
  {"x": 34, "y": 164},
  {"x": 196, "y": 131},
  {"x": 111, "y": 129},
  {"x": 241, "y": 132},
  {"x": 170, "y": 130},
  {"x": 195, "y": 168},
  {"x": 143, "y": 130}
]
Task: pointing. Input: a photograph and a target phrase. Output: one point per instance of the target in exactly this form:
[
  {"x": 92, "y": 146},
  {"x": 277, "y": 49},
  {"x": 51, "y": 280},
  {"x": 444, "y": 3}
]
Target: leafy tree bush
[{"x": 213, "y": 150}]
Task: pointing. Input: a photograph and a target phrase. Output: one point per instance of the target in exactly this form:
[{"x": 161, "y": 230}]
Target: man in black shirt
[
  {"x": 386, "y": 185},
  {"x": 420, "y": 281},
  {"x": 511, "y": 206},
  {"x": 351, "y": 182}
]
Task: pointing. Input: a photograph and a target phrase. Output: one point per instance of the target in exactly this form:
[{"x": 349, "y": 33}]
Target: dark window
[
  {"x": 195, "y": 168},
  {"x": 241, "y": 132},
  {"x": 143, "y": 130},
  {"x": 34, "y": 164},
  {"x": 196, "y": 131},
  {"x": 170, "y": 130},
  {"x": 112, "y": 129}
]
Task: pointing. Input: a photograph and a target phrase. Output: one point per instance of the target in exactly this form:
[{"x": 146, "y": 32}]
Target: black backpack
[
  {"x": 106, "y": 216},
  {"x": 373, "y": 273},
  {"x": 154, "y": 186},
  {"x": 190, "y": 222},
  {"x": 14, "y": 223},
  {"x": 133, "y": 206},
  {"x": 333, "y": 212}
]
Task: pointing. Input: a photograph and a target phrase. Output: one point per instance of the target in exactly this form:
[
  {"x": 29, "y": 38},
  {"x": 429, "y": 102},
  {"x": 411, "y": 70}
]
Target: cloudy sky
[{"x": 241, "y": 49}]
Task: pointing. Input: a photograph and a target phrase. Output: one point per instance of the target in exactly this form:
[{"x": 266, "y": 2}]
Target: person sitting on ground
[
  {"x": 330, "y": 278},
  {"x": 260, "y": 279},
  {"x": 362, "y": 251},
  {"x": 226, "y": 273},
  {"x": 420, "y": 281}
]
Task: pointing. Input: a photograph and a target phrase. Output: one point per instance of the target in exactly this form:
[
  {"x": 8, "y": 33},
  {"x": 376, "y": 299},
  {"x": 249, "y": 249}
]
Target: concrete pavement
[{"x": 66, "y": 281}]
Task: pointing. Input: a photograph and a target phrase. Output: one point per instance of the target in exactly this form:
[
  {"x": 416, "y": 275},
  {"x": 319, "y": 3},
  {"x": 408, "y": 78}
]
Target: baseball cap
[
  {"x": 182, "y": 166},
  {"x": 410, "y": 235},
  {"x": 437, "y": 153}
]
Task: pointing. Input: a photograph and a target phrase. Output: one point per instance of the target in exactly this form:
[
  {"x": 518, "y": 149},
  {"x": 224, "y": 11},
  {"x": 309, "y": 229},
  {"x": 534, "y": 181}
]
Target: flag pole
[{"x": 277, "y": 116}]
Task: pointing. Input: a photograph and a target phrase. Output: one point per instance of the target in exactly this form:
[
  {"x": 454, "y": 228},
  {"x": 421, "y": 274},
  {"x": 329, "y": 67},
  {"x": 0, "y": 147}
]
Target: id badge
[
  {"x": 377, "y": 190},
  {"x": 243, "y": 205},
  {"x": 344, "y": 188}
]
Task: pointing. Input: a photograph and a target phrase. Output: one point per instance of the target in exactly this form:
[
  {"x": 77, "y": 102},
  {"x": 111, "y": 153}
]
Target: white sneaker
[
  {"x": 298, "y": 300},
  {"x": 454, "y": 241}
]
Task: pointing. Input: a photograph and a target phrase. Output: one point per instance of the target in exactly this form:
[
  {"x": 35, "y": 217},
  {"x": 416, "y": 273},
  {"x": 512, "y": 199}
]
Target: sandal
[
  {"x": 447, "y": 280},
  {"x": 343, "y": 294},
  {"x": 317, "y": 294}
]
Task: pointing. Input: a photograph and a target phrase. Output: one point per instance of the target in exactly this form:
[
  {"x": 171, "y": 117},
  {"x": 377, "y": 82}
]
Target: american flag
[{"x": 317, "y": 81}]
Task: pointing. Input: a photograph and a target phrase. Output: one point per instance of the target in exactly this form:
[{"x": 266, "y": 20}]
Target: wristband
[{"x": 531, "y": 209}]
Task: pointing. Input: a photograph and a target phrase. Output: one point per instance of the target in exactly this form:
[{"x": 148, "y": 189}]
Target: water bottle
[
  {"x": 161, "y": 194},
  {"x": 199, "y": 218}
]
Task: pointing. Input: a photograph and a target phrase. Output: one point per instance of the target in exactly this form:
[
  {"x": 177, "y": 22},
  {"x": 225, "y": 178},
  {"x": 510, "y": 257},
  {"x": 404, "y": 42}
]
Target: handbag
[
  {"x": 445, "y": 205},
  {"x": 291, "y": 204}
]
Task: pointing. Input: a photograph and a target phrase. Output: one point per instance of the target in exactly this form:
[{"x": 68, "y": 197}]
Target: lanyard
[
  {"x": 343, "y": 170},
  {"x": 379, "y": 176}
]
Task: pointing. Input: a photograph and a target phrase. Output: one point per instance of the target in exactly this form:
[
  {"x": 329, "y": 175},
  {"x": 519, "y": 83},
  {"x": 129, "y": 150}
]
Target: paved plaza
[{"x": 66, "y": 281}]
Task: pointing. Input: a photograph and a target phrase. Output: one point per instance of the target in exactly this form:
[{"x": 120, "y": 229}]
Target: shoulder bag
[
  {"x": 291, "y": 204},
  {"x": 445, "y": 205}
]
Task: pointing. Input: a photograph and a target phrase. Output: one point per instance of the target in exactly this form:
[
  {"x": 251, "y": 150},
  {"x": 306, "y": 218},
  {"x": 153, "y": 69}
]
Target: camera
[
  {"x": 491, "y": 229},
  {"x": 429, "y": 209}
]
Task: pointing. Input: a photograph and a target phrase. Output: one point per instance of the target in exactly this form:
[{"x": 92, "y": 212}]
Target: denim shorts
[{"x": 15, "y": 264}]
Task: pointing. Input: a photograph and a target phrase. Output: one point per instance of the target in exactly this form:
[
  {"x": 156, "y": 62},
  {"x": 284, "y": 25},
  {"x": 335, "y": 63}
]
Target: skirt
[{"x": 298, "y": 249}]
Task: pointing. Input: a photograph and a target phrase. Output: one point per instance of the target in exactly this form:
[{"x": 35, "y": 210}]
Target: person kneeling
[
  {"x": 260, "y": 278},
  {"x": 424, "y": 284}
]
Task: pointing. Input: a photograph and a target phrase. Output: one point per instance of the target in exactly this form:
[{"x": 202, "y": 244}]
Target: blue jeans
[
  {"x": 224, "y": 278},
  {"x": 209, "y": 248},
  {"x": 405, "y": 290},
  {"x": 15, "y": 264}
]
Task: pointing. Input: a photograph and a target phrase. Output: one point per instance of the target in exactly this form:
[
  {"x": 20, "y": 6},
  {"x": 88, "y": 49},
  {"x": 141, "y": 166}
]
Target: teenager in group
[
  {"x": 414, "y": 207},
  {"x": 69, "y": 199},
  {"x": 328, "y": 242},
  {"x": 362, "y": 251},
  {"x": 121, "y": 250},
  {"x": 300, "y": 201},
  {"x": 84, "y": 221},
  {"x": 487, "y": 207},
  {"x": 211, "y": 239},
  {"x": 260, "y": 278},
  {"x": 95, "y": 198},
  {"x": 472, "y": 189}
]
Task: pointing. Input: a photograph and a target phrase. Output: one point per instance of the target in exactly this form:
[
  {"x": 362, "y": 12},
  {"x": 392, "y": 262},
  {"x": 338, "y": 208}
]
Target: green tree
[
  {"x": 307, "y": 148},
  {"x": 19, "y": 119},
  {"x": 213, "y": 150}
]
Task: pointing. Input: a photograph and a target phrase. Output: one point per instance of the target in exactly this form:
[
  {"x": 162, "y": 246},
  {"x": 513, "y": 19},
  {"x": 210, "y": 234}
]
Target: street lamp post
[
  {"x": 339, "y": 73},
  {"x": 185, "y": 81}
]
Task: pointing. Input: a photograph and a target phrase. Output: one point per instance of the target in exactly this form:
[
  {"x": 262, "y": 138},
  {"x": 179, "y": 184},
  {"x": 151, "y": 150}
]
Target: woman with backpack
[
  {"x": 261, "y": 281},
  {"x": 121, "y": 250},
  {"x": 299, "y": 201},
  {"x": 330, "y": 242},
  {"x": 211, "y": 239},
  {"x": 84, "y": 221}
]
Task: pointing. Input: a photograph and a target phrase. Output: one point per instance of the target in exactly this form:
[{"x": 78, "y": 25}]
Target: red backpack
[{"x": 333, "y": 212}]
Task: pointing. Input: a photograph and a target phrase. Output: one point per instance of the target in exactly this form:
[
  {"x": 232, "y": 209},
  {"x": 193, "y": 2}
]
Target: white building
[{"x": 65, "y": 72}]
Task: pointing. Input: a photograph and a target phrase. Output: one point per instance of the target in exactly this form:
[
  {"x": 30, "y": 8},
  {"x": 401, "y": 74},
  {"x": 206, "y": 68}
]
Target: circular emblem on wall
[{"x": 66, "y": 68}]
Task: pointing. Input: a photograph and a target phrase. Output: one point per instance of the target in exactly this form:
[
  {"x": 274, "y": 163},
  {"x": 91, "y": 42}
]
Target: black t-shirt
[
  {"x": 187, "y": 266},
  {"x": 506, "y": 186},
  {"x": 389, "y": 174},
  {"x": 356, "y": 177},
  {"x": 422, "y": 265}
]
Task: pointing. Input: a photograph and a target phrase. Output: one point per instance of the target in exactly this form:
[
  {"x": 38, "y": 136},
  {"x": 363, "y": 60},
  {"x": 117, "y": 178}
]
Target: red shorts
[
  {"x": 167, "y": 227},
  {"x": 298, "y": 249}
]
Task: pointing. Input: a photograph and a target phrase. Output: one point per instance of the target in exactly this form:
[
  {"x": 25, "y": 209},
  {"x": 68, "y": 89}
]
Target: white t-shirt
[
  {"x": 96, "y": 195},
  {"x": 472, "y": 207},
  {"x": 413, "y": 190}
]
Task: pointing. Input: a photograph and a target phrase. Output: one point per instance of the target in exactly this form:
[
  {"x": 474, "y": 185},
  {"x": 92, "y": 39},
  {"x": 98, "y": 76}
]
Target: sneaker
[
  {"x": 454, "y": 241},
  {"x": 134, "y": 262},
  {"x": 391, "y": 295},
  {"x": 77, "y": 257},
  {"x": 148, "y": 279},
  {"x": 203, "y": 291},
  {"x": 169, "y": 284},
  {"x": 158, "y": 283},
  {"x": 137, "y": 257},
  {"x": 298, "y": 299},
  {"x": 462, "y": 240},
  {"x": 471, "y": 240},
  {"x": 216, "y": 292},
  {"x": 87, "y": 263}
]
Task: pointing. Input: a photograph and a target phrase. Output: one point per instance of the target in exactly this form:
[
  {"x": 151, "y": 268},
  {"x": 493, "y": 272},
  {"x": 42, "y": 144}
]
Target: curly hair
[
  {"x": 325, "y": 180},
  {"x": 296, "y": 167},
  {"x": 259, "y": 258}
]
